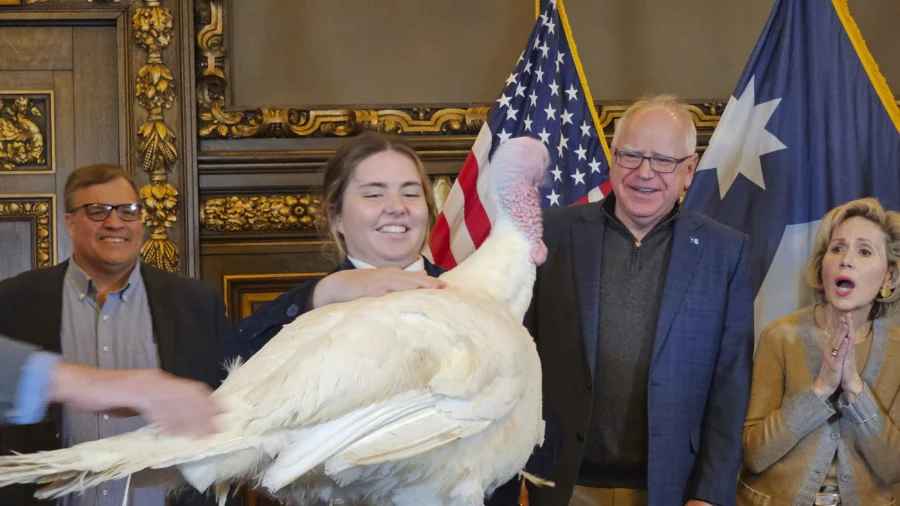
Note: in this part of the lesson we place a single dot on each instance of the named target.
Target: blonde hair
(889, 223)
(339, 169)
(669, 102)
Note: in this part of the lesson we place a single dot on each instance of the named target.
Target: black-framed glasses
(659, 163)
(100, 212)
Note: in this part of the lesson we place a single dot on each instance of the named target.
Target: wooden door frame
(158, 147)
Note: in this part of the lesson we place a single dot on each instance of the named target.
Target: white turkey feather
(416, 397)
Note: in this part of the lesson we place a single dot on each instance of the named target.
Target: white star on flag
(557, 174)
(581, 152)
(554, 198)
(740, 139)
(544, 50)
(586, 129)
(551, 112)
(578, 176)
(544, 135)
(554, 88)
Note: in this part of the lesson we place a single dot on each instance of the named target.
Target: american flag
(545, 97)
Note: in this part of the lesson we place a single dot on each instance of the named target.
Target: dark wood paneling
(95, 84)
(65, 153)
(245, 293)
(16, 246)
(49, 48)
(261, 258)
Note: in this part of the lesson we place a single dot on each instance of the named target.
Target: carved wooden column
(153, 28)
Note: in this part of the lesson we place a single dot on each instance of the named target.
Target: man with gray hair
(642, 316)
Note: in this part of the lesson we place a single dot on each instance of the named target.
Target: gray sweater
(632, 280)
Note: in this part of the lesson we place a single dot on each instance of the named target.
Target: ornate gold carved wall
(40, 212)
(155, 91)
(27, 138)
(260, 213)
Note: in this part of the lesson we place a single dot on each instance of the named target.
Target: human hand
(851, 383)
(352, 284)
(831, 371)
(178, 405)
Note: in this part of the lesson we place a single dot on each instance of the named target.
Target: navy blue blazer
(700, 367)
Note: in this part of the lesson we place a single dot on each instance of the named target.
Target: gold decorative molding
(244, 293)
(216, 122)
(41, 211)
(260, 213)
(705, 115)
(26, 128)
(153, 28)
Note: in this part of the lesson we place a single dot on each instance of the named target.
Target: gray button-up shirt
(115, 335)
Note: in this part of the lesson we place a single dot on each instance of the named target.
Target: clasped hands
(839, 364)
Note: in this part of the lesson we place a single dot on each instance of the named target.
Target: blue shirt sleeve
(32, 391)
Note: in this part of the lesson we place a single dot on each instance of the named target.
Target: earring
(886, 292)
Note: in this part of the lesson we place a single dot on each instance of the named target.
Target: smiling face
(643, 196)
(855, 266)
(384, 213)
(111, 246)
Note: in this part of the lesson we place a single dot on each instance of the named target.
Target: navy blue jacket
(253, 332)
(700, 365)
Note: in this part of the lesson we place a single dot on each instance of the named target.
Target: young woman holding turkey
(822, 424)
(379, 208)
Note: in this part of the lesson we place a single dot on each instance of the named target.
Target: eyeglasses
(100, 212)
(661, 164)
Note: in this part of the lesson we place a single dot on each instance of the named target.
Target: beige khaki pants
(587, 496)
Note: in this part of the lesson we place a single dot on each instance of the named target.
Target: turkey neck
(501, 268)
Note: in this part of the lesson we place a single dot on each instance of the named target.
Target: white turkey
(412, 398)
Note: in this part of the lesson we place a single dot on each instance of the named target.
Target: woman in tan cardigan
(822, 425)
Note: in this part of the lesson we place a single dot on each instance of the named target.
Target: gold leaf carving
(160, 201)
(260, 213)
(155, 91)
(153, 27)
(40, 209)
(155, 87)
(156, 142)
(21, 140)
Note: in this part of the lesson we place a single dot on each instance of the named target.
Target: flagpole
(868, 62)
(564, 19)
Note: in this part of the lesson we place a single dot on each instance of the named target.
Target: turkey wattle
(415, 397)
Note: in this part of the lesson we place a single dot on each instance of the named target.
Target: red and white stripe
(466, 216)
